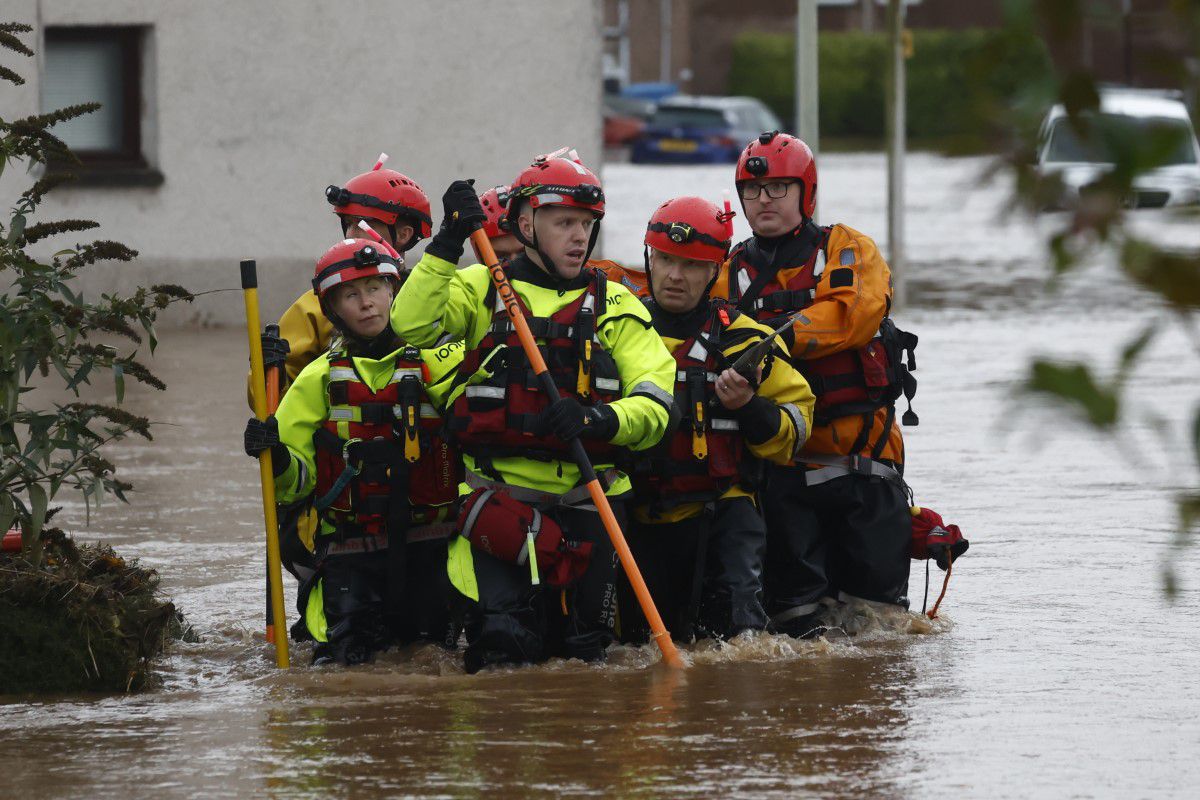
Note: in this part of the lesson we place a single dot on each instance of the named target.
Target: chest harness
(383, 462)
(705, 456)
(496, 414)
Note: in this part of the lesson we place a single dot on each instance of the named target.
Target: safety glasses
(775, 189)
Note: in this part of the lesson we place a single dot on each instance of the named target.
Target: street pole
(664, 41)
(896, 115)
(807, 119)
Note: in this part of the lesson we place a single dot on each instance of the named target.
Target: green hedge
(955, 78)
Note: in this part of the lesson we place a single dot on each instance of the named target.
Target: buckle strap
(535, 497)
(838, 466)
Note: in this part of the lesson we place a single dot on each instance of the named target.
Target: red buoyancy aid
(855, 381)
(407, 472)
(705, 455)
(498, 416)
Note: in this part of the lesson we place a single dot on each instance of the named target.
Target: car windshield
(688, 117)
(1108, 129)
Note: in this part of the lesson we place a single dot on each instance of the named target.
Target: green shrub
(950, 94)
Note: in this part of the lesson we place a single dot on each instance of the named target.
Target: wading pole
(265, 470)
(483, 248)
(272, 405)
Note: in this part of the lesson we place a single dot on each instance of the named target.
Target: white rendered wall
(255, 107)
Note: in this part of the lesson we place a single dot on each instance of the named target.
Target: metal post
(664, 47)
(896, 149)
(623, 41)
(807, 120)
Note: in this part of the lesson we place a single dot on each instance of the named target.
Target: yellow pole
(266, 471)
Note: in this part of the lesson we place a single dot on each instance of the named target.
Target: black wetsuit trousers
(704, 574)
(849, 535)
(369, 596)
(517, 622)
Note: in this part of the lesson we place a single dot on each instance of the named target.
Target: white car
(1079, 162)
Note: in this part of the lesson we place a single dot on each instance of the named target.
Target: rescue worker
(697, 536)
(614, 377)
(495, 204)
(359, 430)
(838, 521)
(397, 209)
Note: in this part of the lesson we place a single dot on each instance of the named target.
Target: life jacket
(705, 456)
(382, 457)
(498, 416)
(857, 381)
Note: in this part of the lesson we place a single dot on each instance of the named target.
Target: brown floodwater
(1058, 669)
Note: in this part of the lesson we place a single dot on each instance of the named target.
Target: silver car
(1079, 161)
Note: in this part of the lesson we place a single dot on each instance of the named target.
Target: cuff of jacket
(445, 248)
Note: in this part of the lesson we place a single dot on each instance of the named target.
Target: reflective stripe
(342, 374)
(819, 265)
(798, 421)
(608, 384)
(427, 411)
(358, 544)
(535, 527)
(711, 377)
(336, 278)
(404, 372)
(840, 466)
(725, 424)
(589, 302)
(332, 280)
(698, 353)
(793, 612)
(476, 509)
(496, 392)
(650, 390)
(846, 257)
(434, 530)
(343, 413)
(743, 279)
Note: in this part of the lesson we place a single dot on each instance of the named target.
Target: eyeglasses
(775, 189)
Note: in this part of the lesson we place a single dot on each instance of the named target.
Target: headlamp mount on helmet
(683, 233)
(757, 166)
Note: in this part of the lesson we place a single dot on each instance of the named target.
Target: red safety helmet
(351, 259)
(556, 181)
(385, 195)
(781, 155)
(691, 227)
(495, 203)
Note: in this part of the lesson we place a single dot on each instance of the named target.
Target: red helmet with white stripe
(556, 181)
(349, 260)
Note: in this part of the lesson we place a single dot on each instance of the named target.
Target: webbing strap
(838, 466)
(537, 498)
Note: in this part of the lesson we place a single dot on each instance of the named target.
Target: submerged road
(1059, 669)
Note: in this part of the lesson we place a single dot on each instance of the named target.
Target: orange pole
(483, 248)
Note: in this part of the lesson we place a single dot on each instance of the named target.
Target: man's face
(507, 246)
(404, 231)
(562, 234)
(678, 282)
(363, 305)
(768, 214)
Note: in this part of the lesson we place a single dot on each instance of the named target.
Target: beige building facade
(226, 120)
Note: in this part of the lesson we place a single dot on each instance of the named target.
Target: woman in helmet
(359, 433)
(614, 378)
(697, 535)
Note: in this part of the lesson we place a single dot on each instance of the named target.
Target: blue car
(701, 130)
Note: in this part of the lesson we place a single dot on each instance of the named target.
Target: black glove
(944, 552)
(263, 435)
(274, 349)
(566, 418)
(461, 215)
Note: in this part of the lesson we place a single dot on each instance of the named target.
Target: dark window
(688, 117)
(1107, 131)
(103, 65)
